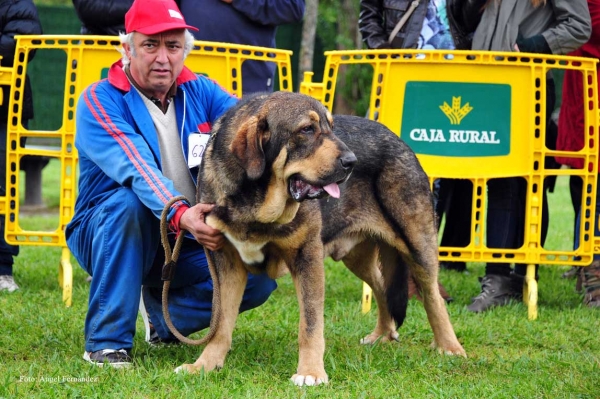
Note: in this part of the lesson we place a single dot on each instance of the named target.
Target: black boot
(589, 280)
(497, 290)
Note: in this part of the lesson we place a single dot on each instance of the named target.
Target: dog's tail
(395, 272)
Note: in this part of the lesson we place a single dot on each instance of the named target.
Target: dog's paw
(186, 368)
(309, 380)
(451, 350)
(194, 368)
(375, 336)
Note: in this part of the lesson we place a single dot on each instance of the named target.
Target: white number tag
(196, 146)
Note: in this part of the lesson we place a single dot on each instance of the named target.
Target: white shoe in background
(7, 283)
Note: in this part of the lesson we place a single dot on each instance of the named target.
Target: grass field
(556, 356)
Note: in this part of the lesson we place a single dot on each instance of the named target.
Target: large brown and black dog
(268, 161)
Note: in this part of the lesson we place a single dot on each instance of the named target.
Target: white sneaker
(7, 283)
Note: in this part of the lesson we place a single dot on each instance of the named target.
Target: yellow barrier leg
(65, 276)
(366, 298)
(530, 292)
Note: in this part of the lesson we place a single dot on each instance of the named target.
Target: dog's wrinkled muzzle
(301, 189)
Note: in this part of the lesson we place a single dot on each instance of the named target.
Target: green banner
(457, 119)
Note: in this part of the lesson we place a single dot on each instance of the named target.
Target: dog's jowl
(271, 166)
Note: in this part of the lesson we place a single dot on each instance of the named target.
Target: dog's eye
(307, 130)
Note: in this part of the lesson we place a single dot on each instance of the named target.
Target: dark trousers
(7, 251)
(455, 197)
(507, 199)
(576, 190)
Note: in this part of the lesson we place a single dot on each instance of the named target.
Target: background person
(571, 129)
(134, 135)
(533, 26)
(252, 23)
(17, 17)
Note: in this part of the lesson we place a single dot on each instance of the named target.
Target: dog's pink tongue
(333, 189)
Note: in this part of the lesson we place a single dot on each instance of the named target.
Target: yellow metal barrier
(479, 116)
(87, 60)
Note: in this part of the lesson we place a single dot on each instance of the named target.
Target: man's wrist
(174, 223)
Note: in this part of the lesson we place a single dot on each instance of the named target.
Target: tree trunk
(307, 47)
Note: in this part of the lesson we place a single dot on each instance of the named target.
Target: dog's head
(289, 136)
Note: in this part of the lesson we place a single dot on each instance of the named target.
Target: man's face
(156, 61)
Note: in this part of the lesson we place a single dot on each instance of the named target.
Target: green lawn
(556, 356)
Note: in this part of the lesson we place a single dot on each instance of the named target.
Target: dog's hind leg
(232, 278)
(413, 233)
(367, 261)
(444, 338)
(423, 264)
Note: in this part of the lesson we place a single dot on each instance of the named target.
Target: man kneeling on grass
(134, 136)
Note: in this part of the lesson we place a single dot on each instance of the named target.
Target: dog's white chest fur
(250, 252)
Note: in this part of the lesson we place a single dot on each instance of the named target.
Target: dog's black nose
(348, 160)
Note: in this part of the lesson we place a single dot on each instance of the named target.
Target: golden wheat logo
(456, 113)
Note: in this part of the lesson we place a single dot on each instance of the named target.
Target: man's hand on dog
(193, 220)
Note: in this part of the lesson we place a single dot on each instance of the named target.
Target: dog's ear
(247, 147)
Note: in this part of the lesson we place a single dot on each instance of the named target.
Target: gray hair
(128, 38)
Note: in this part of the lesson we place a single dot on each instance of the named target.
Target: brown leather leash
(168, 272)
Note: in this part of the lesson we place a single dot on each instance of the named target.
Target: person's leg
(116, 246)
(7, 251)
(502, 219)
(589, 276)
(575, 191)
(7, 254)
(457, 229)
(191, 291)
(500, 285)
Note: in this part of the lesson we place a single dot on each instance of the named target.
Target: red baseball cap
(154, 16)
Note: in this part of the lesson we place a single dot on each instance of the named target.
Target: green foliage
(327, 22)
(355, 87)
(328, 26)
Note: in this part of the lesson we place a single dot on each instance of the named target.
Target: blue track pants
(119, 246)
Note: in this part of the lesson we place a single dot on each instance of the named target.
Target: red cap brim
(159, 28)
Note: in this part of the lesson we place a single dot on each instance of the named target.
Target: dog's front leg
(233, 278)
(309, 280)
